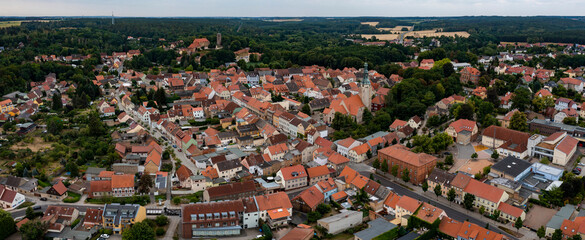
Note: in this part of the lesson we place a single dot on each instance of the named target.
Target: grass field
(10, 24)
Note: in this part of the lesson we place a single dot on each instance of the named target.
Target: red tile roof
(287, 172)
(403, 154)
(60, 188)
(318, 171)
(408, 203)
(484, 191)
(567, 145)
(463, 125)
(123, 181)
(311, 197)
(510, 210)
(273, 201)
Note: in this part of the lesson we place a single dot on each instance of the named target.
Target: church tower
(366, 89)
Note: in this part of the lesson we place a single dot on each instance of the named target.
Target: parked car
(174, 146)
(106, 236)
(180, 150)
(577, 170)
(43, 199)
(36, 207)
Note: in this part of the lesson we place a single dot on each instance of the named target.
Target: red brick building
(470, 74)
(419, 165)
(212, 219)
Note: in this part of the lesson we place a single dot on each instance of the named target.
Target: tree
(518, 122)
(95, 124)
(425, 186)
(72, 168)
(313, 217)
(394, 170)
(145, 183)
(521, 99)
(518, 224)
(54, 125)
(30, 213)
(474, 156)
(481, 210)
(161, 220)
(306, 109)
(451, 194)
(323, 208)
(33, 230)
(449, 160)
(384, 166)
(376, 164)
(541, 232)
(267, 232)
(557, 235)
(576, 237)
(7, 223)
(57, 103)
(495, 155)
(406, 175)
(161, 98)
(438, 191)
(468, 200)
(464, 111)
(369, 154)
(139, 231)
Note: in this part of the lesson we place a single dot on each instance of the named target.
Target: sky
(290, 8)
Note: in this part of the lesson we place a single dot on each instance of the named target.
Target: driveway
(464, 151)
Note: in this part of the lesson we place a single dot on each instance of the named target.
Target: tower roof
(366, 80)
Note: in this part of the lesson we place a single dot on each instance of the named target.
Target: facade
(292, 177)
(507, 142)
(317, 174)
(462, 130)
(419, 165)
(470, 74)
(558, 147)
(205, 220)
(9, 199)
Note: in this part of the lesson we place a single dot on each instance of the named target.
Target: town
(214, 138)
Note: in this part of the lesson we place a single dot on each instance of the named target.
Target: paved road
(451, 211)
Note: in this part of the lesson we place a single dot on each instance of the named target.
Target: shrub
(162, 220)
(160, 231)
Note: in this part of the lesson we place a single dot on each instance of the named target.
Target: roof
(278, 213)
(441, 177)
(376, 228)
(391, 200)
(484, 191)
(510, 210)
(408, 203)
(298, 233)
(403, 154)
(60, 188)
(398, 123)
(339, 216)
(123, 181)
(567, 145)
(100, 186)
(511, 166)
(318, 171)
(514, 140)
(461, 181)
(231, 189)
(183, 173)
(228, 164)
(311, 197)
(212, 207)
(273, 201)
(293, 172)
(346, 142)
(463, 125)
(429, 213)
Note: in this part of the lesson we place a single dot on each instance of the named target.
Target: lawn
(25, 205)
(142, 200)
(72, 197)
(6, 24)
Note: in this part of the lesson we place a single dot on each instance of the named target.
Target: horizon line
(447, 16)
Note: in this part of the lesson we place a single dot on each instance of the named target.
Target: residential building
(375, 228)
(486, 195)
(558, 147)
(317, 174)
(462, 131)
(467, 231)
(274, 209)
(292, 177)
(227, 169)
(10, 199)
(508, 142)
(406, 207)
(120, 217)
(308, 200)
(470, 74)
(93, 218)
(213, 219)
(231, 191)
(58, 217)
(510, 168)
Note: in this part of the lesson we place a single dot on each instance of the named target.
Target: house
(486, 195)
(556, 222)
(439, 177)
(429, 213)
(510, 168)
(292, 177)
(467, 231)
(120, 217)
(122, 185)
(228, 169)
(427, 64)
(469, 74)
(397, 125)
(506, 100)
(419, 165)
(511, 213)
(274, 209)
(299, 233)
(58, 217)
(508, 142)
(360, 153)
(190, 181)
(462, 130)
(564, 103)
(93, 218)
(343, 146)
(414, 122)
(57, 191)
(231, 191)
(406, 207)
(505, 121)
(10, 199)
(572, 84)
(558, 147)
(340, 222)
(317, 174)
(212, 219)
(308, 200)
(560, 116)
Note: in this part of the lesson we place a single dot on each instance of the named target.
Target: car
(106, 236)
(165, 138)
(174, 146)
(180, 150)
(577, 170)
(43, 199)
(36, 207)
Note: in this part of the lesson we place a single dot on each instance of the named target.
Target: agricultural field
(6, 24)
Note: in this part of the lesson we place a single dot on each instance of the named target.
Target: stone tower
(366, 89)
(218, 43)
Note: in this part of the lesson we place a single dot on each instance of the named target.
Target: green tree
(161, 220)
(54, 125)
(7, 223)
(521, 99)
(451, 194)
(464, 111)
(306, 109)
(481, 210)
(474, 156)
(95, 124)
(557, 235)
(425, 186)
(313, 217)
(376, 164)
(576, 237)
(406, 175)
(384, 166)
(394, 170)
(369, 154)
(519, 122)
(33, 230)
(57, 103)
(30, 213)
(145, 184)
(541, 232)
(267, 232)
(72, 168)
(323, 208)
(139, 231)
(518, 224)
(495, 154)
(468, 200)
(161, 98)
(438, 191)
(449, 160)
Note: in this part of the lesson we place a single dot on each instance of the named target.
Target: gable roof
(60, 187)
(318, 171)
(123, 181)
(484, 191)
(311, 196)
(403, 154)
(408, 203)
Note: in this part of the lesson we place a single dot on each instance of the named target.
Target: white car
(106, 236)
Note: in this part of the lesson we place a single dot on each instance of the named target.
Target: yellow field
(10, 24)
(383, 37)
(396, 31)
(433, 33)
(373, 24)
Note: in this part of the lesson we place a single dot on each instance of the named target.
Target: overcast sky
(290, 8)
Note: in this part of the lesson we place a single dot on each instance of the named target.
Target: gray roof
(565, 213)
(228, 164)
(375, 228)
(409, 236)
(441, 176)
(119, 212)
(338, 217)
(94, 170)
(511, 166)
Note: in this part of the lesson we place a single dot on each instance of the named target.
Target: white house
(343, 146)
(198, 112)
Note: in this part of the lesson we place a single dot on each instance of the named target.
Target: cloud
(288, 8)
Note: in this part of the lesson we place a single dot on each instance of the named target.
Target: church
(355, 105)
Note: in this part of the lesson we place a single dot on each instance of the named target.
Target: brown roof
(483, 190)
(273, 201)
(183, 173)
(403, 154)
(408, 203)
(123, 181)
(299, 233)
(60, 188)
(231, 189)
(287, 172)
(460, 181)
(311, 196)
(514, 140)
(93, 215)
(510, 210)
(100, 186)
(318, 171)
(212, 207)
(567, 145)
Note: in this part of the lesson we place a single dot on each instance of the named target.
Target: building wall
(417, 173)
(341, 225)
